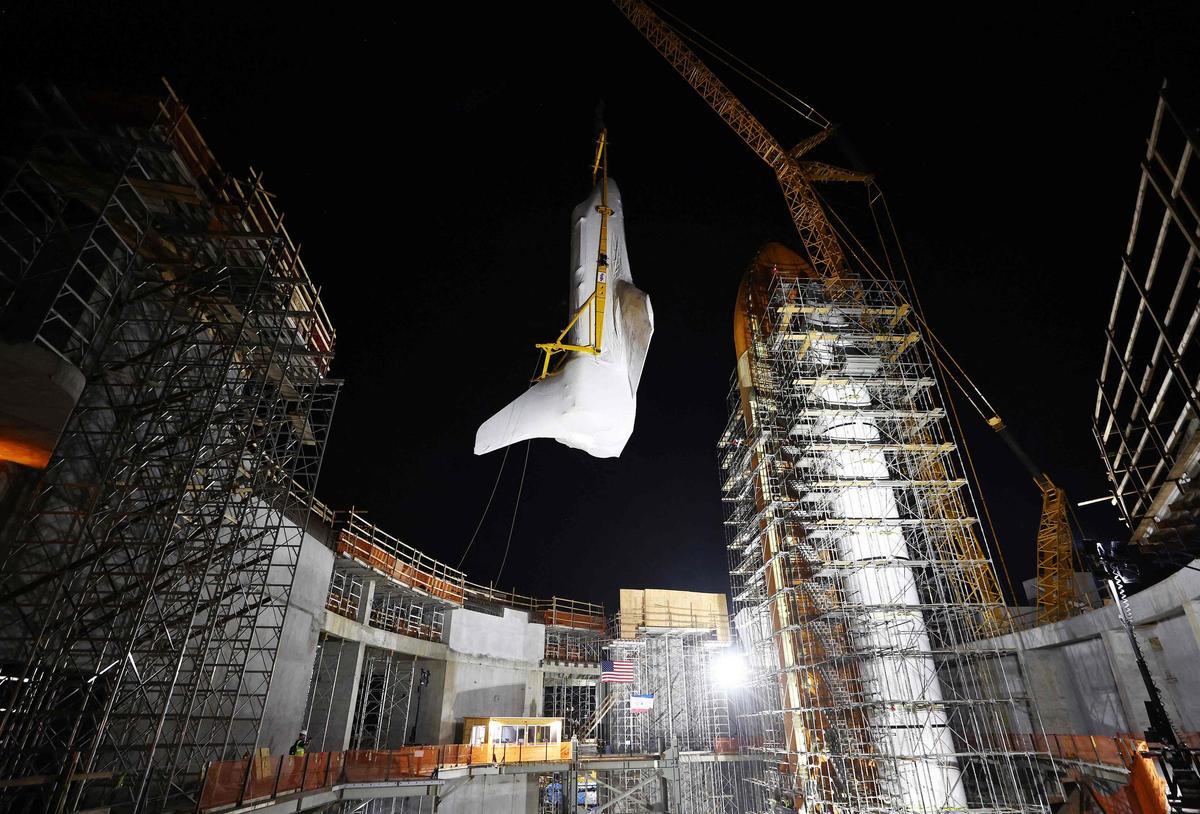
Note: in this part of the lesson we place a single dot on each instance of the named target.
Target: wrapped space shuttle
(589, 402)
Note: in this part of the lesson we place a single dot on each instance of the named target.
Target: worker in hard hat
(300, 745)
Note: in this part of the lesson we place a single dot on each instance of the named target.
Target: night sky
(428, 166)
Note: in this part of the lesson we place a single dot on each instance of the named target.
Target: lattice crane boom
(1055, 579)
(1057, 595)
(816, 233)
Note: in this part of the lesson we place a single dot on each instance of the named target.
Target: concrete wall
(493, 667)
(1082, 673)
(511, 636)
(1076, 689)
(283, 717)
(489, 665)
(498, 794)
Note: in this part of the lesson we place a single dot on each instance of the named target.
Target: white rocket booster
(591, 402)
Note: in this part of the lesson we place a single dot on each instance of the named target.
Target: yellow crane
(1057, 595)
(796, 178)
(599, 296)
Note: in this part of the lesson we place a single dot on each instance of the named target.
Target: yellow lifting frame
(600, 295)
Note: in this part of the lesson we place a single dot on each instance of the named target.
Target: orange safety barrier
(414, 577)
(316, 772)
(405, 763)
(1086, 748)
(520, 752)
(410, 629)
(260, 783)
(341, 606)
(455, 754)
(414, 761)
(337, 766)
(230, 782)
(223, 783)
(579, 620)
(291, 774)
(404, 573)
(366, 765)
(724, 746)
(571, 653)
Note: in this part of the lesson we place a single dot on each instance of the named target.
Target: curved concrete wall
(1082, 673)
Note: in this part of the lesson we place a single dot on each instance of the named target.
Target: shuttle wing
(591, 402)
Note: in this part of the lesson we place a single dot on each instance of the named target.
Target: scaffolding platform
(860, 581)
(368, 551)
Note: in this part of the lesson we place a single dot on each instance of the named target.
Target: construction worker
(554, 792)
(300, 745)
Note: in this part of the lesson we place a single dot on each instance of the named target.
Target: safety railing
(345, 595)
(365, 542)
(571, 613)
(628, 626)
(1098, 750)
(457, 755)
(234, 783)
(490, 595)
(573, 648)
(555, 611)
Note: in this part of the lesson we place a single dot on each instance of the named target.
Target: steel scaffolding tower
(689, 714)
(384, 694)
(570, 697)
(147, 571)
(855, 565)
(1147, 405)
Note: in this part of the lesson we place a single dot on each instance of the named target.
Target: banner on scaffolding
(641, 702)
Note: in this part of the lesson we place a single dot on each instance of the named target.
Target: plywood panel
(656, 608)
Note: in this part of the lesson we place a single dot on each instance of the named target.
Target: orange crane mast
(796, 178)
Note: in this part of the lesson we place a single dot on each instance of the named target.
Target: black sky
(429, 163)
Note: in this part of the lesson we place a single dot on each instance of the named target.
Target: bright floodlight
(729, 671)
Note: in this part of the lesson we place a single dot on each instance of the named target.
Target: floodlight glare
(729, 671)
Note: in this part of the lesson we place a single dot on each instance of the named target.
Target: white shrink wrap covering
(591, 402)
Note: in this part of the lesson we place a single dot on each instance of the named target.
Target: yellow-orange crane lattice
(796, 178)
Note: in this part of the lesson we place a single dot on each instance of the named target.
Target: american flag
(616, 672)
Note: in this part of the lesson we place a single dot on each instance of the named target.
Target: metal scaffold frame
(1147, 403)
(856, 568)
(384, 691)
(572, 698)
(146, 579)
(689, 714)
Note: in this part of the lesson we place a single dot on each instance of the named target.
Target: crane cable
(918, 311)
(495, 485)
(483, 516)
(806, 111)
(863, 256)
(958, 375)
(516, 505)
(741, 67)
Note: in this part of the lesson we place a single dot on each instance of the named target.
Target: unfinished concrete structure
(176, 606)
(154, 513)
